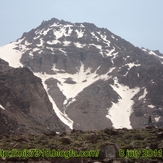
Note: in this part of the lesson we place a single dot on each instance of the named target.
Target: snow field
(12, 56)
(70, 90)
(120, 112)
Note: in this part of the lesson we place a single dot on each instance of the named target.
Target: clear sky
(137, 21)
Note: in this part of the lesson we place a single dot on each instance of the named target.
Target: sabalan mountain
(93, 79)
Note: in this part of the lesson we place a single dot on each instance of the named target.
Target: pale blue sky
(137, 21)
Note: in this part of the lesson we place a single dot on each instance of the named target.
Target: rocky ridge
(24, 104)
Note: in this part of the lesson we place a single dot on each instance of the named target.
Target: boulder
(109, 150)
(111, 131)
(66, 140)
(160, 134)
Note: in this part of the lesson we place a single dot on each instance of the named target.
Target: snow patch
(97, 46)
(45, 32)
(69, 31)
(150, 52)
(11, 55)
(53, 42)
(31, 54)
(79, 33)
(41, 43)
(153, 53)
(125, 74)
(105, 40)
(151, 106)
(144, 94)
(66, 43)
(59, 33)
(111, 69)
(72, 90)
(35, 38)
(56, 70)
(49, 48)
(152, 81)
(62, 51)
(94, 35)
(120, 112)
(60, 25)
(27, 43)
(157, 118)
(68, 25)
(114, 56)
(110, 53)
(2, 107)
(62, 31)
(77, 44)
(37, 32)
(132, 65)
(35, 49)
(55, 25)
(112, 37)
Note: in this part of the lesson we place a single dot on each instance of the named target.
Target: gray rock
(109, 150)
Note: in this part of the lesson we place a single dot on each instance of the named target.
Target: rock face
(94, 79)
(26, 107)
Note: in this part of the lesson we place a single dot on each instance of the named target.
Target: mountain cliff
(24, 104)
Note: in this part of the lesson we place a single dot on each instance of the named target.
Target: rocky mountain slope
(93, 78)
(24, 104)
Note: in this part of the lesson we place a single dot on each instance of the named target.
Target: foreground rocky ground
(110, 142)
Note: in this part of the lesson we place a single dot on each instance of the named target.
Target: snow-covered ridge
(11, 55)
(150, 52)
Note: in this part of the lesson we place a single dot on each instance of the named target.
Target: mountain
(93, 78)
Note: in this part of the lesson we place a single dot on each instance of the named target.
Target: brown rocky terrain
(27, 108)
(111, 145)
